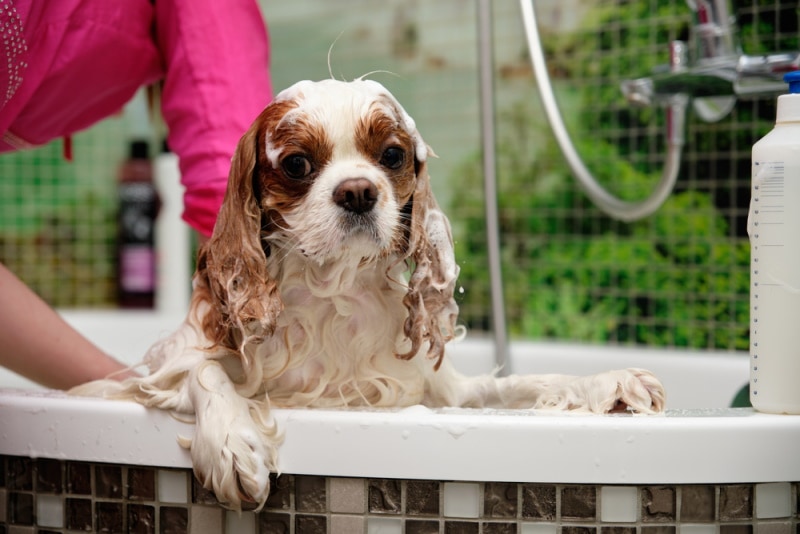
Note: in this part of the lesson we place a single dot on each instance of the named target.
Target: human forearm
(37, 343)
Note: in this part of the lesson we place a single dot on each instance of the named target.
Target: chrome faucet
(715, 71)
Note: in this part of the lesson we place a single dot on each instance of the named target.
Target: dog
(328, 282)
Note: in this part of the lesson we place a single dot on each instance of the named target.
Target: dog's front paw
(634, 390)
(641, 393)
(234, 459)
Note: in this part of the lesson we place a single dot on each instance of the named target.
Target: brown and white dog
(329, 282)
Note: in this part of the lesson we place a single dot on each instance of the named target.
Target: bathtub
(70, 464)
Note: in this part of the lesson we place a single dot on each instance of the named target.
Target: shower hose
(605, 201)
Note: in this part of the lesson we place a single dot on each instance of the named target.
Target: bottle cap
(793, 79)
(139, 149)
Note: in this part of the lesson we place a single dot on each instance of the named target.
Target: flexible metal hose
(608, 203)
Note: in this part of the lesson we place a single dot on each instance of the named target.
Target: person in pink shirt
(69, 64)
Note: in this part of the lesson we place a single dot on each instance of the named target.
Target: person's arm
(38, 344)
(216, 82)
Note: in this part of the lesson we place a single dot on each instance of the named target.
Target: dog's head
(330, 170)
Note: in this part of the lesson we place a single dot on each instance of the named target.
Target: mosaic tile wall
(50, 496)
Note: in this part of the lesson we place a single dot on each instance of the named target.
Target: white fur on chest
(337, 336)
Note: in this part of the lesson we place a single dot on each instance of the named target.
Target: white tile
(618, 504)
(773, 500)
(538, 528)
(49, 511)
(172, 486)
(462, 499)
(236, 523)
(384, 525)
(697, 529)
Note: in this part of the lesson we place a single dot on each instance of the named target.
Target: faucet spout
(719, 72)
(737, 76)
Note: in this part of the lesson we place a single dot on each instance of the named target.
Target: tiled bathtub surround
(53, 496)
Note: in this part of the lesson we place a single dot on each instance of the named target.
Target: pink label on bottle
(137, 269)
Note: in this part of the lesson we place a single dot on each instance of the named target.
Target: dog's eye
(393, 157)
(296, 166)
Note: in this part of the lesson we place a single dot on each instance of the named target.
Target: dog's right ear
(243, 301)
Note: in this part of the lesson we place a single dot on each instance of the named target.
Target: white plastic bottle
(773, 224)
(172, 239)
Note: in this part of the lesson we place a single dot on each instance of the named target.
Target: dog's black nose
(357, 195)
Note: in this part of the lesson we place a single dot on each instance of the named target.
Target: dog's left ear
(232, 265)
(432, 311)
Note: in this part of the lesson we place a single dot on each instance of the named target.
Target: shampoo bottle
(138, 205)
(773, 225)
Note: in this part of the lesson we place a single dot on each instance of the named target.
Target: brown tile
(384, 496)
(572, 529)
(309, 494)
(141, 484)
(422, 497)
(796, 508)
(461, 527)
(272, 523)
(777, 527)
(579, 503)
(539, 502)
(108, 516)
(698, 503)
(280, 492)
(141, 519)
(658, 503)
(498, 528)
(20, 473)
(737, 529)
(500, 499)
(310, 524)
(421, 527)
(3, 508)
(249, 506)
(735, 502)
(617, 530)
(79, 514)
(20, 508)
(2, 471)
(201, 495)
(49, 478)
(108, 481)
(659, 529)
(173, 520)
(79, 478)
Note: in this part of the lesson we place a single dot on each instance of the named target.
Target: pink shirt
(71, 63)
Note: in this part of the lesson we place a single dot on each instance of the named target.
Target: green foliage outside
(678, 278)
(674, 279)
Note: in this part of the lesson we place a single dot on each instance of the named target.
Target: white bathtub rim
(680, 447)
